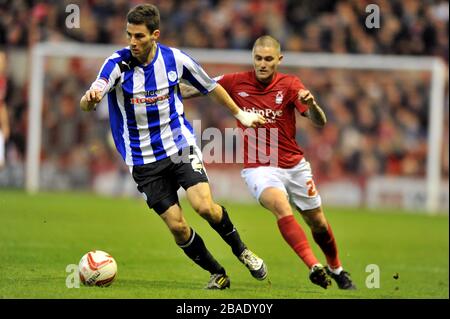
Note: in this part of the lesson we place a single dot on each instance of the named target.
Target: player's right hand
(250, 119)
(93, 96)
(90, 99)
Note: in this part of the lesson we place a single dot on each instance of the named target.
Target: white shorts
(296, 182)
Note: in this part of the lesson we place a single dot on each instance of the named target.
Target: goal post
(435, 66)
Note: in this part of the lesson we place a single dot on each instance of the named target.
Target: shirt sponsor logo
(269, 114)
(148, 99)
(155, 92)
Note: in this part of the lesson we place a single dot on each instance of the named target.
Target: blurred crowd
(418, 27)
(378, 121)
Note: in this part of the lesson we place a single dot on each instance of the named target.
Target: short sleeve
(226, 81)
(109, 73)
(194, 73)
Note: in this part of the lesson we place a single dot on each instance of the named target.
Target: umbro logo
(243, 94)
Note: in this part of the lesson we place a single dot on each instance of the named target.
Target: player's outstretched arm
(188, 91)
(248, 119)
(314, 113)
(221, 96)
(90, 99)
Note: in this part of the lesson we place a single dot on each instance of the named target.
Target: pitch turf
(40, 235)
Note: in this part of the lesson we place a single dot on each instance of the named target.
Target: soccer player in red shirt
(287, 180)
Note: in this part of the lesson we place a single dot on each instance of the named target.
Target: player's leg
(194, 247)
(324, 237)
(308, 202)
(276, 202)
(160, 193)
(200, 198)
(193, 178)
(268, 188)
(322, 234)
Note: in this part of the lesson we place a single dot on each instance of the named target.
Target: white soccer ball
(97, 268)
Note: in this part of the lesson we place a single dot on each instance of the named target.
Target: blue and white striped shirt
(146, 111)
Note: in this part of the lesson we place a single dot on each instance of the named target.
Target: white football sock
(314, 266)
(336, 271)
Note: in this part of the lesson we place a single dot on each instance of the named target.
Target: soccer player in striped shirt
(157, 142)
(277, 96)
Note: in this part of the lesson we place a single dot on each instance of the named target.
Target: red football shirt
(274, 143)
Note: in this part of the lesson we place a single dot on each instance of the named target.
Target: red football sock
(327, 243)
(296, 238)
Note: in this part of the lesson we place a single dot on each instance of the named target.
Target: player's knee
(204, 209)
(315, 219)
(281, 208)
(203, 205)
(319, 226)
(180, 229)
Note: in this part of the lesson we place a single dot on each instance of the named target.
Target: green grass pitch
(40, 235)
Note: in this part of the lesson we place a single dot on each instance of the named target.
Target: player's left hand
(306, 97)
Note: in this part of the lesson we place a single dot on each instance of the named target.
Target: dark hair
(147, 14)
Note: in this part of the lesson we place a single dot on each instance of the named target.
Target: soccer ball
(97, 268)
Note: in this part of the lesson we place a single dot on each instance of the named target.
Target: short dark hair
(267, 41)
(147, 14)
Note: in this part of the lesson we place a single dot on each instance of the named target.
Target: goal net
(385, 143)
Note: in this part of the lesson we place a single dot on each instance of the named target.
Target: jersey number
(311, 188)
(196, 163)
